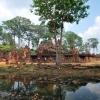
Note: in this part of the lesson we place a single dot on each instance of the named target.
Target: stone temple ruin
(46, 53)
(15, 57)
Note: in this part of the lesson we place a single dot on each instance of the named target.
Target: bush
(33, 51)
(5, 47)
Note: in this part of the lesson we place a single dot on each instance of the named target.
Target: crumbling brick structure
(46, 53)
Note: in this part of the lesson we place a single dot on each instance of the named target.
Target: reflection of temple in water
(26, 87)
(25, 79)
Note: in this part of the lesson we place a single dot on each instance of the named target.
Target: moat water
(29, 88)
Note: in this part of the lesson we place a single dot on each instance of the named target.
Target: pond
(24, 87)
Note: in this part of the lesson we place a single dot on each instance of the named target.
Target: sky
(87, 28)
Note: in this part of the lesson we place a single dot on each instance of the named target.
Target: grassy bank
(46, 70)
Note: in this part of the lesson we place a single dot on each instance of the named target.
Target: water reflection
(83, 93)
(24, 87)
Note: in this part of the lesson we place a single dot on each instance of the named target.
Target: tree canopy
(17, 27)
(93, 43)
(34, 34)
(20, 31)
(56, 12)
(70, 39)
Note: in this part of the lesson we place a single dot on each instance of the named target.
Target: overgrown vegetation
(10, 68)
(34, 34)
(36, 71)
(5, 47)
(56, 13)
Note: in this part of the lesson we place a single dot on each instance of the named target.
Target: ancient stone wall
(46, 53)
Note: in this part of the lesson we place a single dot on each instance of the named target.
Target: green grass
(35, 70)
(24, 68)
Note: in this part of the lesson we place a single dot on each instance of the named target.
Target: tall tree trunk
(60, 54)
(28, 42)
(18, 41)
(57, 50)
(14, 39)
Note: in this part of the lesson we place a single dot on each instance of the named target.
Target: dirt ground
(74, 65)
(66, 69)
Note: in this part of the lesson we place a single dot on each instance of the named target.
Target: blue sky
(87, 28)
(90, 20)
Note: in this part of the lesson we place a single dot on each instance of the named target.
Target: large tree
(56, 12)
(39, 30)
(28, 30)
(9, 27)
(6, 38)
(93, 43)
(86, 46)
(70, 39)
(19, 27)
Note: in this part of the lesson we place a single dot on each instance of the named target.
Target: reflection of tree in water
(71, 85)
(19, 86)
(49, 90)
(5, 86)
(26, 88)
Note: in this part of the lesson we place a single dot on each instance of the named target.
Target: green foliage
(68, 11)
(93, 43)
(24, 30)
(45, 37)
(1, 30)
(39, 30)
(7, 39)
(35, 42)
(19, 27)
(98, 54)
(2, 68)
(33, 51)
(4, 43)
(19, 49)
(87, 47)
(5, 47)
(70, 39)
(56, 12)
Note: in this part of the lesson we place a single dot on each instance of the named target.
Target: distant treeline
(20, 31)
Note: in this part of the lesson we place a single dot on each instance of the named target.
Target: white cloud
(67, 26)
(7, 12)
(94, 88)
(24, 12)
(4, 12)
(92, 32)
(97, 19)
